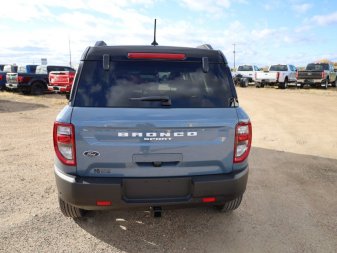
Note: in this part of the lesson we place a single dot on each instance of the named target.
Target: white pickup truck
(245, 74)
(281, 75)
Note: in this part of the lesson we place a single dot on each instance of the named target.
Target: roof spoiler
(100, 43)
(205, 46)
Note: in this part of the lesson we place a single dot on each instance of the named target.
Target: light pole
(234, 54)
(69, 52)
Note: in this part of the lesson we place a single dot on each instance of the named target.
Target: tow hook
(157, 210)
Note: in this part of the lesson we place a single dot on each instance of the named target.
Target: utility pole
(234, 53)
(69, 52)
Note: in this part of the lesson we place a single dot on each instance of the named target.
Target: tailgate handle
(151, 158)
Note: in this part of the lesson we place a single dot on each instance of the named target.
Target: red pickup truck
(61, 81)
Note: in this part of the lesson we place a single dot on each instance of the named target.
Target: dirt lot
(290, 204)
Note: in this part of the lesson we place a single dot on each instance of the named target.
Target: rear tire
(284, 85)
(259, 85)
(326, 84)
(230, 205)
(244, 83)
(37, 89)
(70, 211)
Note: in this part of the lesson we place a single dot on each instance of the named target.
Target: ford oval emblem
(91, 153)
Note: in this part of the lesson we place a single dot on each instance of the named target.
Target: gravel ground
(290, 204)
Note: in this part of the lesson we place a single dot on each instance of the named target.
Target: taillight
(0, 77)
(161, 56)
(71, 77)
(20, 79)
(103, 203)
(208, 200)
(277, 76)
(323, 75)
(64, 143)
(243, 141)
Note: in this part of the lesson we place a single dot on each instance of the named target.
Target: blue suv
(151, 126)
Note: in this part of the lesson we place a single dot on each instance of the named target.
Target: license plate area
(147, 190)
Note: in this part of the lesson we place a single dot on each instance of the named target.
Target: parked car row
(283, 75)
(36, 79)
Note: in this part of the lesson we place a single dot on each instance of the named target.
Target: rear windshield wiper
(233, 102)
(164, 99)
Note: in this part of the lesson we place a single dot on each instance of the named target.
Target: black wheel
(283, 85)
(230, 205)
(326, 84)
(37, 89)
(70, 211)
(244, 82)
(334, 84)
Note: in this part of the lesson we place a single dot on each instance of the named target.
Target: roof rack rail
(100, 43)
(205, 46)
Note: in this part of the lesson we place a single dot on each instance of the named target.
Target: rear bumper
(267, 81)
(59, 89)
(133, 192)
(311, 81)
(12, 86)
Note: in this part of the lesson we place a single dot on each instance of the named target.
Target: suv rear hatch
(146, 118)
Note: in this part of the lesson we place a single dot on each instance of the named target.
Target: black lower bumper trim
(126, 192)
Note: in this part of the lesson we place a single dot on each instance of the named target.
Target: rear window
(318, 66)
(31, 68)
(27, 69)
(41, 70)
(245, 68)
(184, 83)
(10, 68)
(22, 69)
(278, 68)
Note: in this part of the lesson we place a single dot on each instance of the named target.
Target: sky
(265, 32)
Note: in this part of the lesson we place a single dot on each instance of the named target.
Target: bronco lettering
(154, 134)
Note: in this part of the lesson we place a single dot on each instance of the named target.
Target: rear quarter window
(184, 83)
